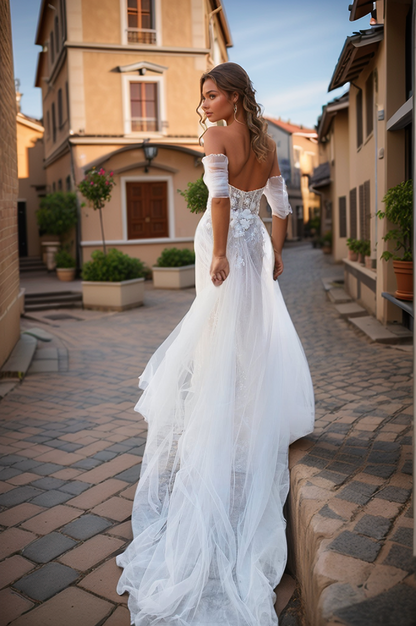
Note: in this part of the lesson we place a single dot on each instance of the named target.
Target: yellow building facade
(118, 76)
(365, 145)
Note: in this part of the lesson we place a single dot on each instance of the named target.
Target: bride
(224, 396)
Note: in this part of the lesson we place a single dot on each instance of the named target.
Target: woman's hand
(220, 269)
(278, 265)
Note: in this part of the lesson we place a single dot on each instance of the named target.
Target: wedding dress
(224, 396)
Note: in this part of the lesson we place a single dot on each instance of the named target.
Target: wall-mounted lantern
(150, 152)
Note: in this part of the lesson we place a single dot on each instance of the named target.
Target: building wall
(30, 150)
(340, 172)
(10, 302)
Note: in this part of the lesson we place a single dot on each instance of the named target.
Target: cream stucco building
(117, 75)
(365, 144)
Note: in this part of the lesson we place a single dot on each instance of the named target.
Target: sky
(289, 50)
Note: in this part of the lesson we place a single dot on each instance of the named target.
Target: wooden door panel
(147, 212)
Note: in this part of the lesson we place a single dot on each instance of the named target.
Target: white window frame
(161, 109)
(157, 8)
(171, 206)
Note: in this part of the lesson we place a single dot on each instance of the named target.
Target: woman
(224, 396)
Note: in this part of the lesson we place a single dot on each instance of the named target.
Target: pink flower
(92, 182)
(111, 173)
(106, 182)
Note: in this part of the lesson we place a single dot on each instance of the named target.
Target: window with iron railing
(144, 107)
(140, 22)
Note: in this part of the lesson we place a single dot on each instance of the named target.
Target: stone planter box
(108, 296)
(174, 277)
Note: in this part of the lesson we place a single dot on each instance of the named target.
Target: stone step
(31, 264)
(338, 295)
(378, 333)
(52, 300)
(20, 359)
(54, 304)
(350, 309)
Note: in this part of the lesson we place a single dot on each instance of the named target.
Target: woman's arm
(220, 215)
(279, 227)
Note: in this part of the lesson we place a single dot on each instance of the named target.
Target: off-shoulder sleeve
(216, 175)
(276, 194)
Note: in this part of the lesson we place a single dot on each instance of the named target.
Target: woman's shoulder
(215, 140)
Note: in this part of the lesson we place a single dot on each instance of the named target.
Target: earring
(235, 112)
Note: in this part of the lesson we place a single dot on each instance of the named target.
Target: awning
(360, 8)
(358, 49)
(321, 176)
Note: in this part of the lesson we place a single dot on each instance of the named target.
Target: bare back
(245, 171)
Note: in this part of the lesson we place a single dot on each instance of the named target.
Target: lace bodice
(216, 179)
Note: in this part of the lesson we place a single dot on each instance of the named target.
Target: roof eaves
(360, 8)
(349, 65)
(40, 22)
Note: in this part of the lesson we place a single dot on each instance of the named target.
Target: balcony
(141, 35)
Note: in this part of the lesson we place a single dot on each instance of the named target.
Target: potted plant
(361, 247)
(58, 213)
(96, 188)
(112, 281)
(399, 211)
(327, 242)
(174, 269)
(65, 265)
(196, 196)
(366, 250)
(352, 249)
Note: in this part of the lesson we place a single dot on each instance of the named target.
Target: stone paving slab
(73, 434)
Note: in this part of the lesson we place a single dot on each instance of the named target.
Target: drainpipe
(375, 169)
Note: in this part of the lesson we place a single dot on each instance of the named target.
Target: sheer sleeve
(276, 194)
(216, 175)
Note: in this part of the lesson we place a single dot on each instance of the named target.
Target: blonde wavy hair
(231, 78)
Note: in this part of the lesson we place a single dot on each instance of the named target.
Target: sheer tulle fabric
(224, 396)
(277, 196)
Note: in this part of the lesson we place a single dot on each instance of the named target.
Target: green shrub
(196, 196)
(112, 267)
(172, 257)
(64, 260)
(353, 245)
(327, 237)
(58, 213)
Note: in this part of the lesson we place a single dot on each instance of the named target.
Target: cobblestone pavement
(72, 446)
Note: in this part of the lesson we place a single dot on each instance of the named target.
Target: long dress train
(224, 396)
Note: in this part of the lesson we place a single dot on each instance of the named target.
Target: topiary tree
(96, 188)
(58, 213)
(196, 196)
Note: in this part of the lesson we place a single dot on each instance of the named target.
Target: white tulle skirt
(224, 396)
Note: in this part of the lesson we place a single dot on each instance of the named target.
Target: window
(144, 107)
(68, 183)
(52, 45)
(140, 21)
(364, 200)
(48, 125)
(353, 213)
(60, 112)
(53, 123)
(342, 208)
(60, 184)
(369, 104)
(359, 113)
(53, 187)
(63, 21)
(57, 34)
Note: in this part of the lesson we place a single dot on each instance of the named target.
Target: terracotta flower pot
(404, 277)
(65, 273)
(352, 256)
(361, 258)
